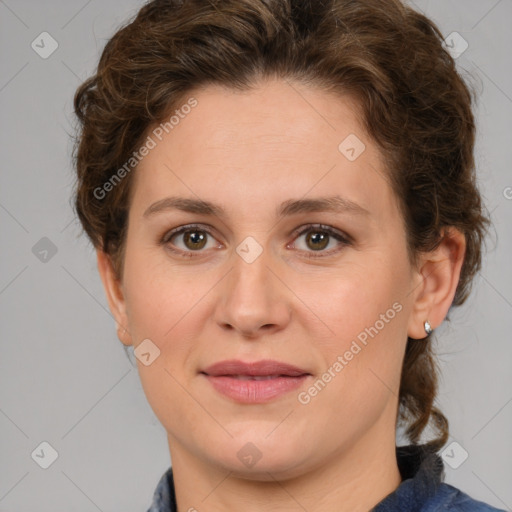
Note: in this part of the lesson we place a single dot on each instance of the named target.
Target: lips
(263, 368)
(254, 383)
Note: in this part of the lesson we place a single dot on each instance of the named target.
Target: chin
(262, 460)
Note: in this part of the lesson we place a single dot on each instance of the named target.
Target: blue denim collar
(422, 472)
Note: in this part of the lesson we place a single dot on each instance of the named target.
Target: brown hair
(414, 104)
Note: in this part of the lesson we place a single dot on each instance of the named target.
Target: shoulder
(164, 499)
(449, 498)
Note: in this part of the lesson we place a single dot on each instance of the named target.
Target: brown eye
(320, 240)
(187, 240)
(194, 239)
(317, 240)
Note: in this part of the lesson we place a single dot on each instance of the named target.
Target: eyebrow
(333, 204)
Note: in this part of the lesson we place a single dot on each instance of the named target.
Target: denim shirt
(421, 490)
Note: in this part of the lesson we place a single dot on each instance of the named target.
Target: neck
(354, 480)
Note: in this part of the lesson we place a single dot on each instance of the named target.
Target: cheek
(160, 300)
(353, 298)
(362, 354)
(362, 312)
(162, 306)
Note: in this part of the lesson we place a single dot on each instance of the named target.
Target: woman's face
(303, 261)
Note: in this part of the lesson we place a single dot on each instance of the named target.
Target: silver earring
(428, 328)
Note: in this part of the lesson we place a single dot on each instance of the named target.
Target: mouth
(254, 383)
(254, 377)
(262, 368)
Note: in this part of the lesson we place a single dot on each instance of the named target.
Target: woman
(282, 198)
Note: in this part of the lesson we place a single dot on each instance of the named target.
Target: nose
(253, 301)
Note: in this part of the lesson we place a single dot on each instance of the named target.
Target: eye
(190, 239)
(187, 239)
(318, 238)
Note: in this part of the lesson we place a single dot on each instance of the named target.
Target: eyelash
(344, 240)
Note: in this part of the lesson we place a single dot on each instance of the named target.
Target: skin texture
(247, 153)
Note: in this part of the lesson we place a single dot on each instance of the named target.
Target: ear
(115, 296)
(437, 277)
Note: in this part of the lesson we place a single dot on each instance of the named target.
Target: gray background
(64, 377)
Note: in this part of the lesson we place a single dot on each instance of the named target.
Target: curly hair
(387, 56)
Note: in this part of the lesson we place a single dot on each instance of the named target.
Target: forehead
(276, 114)
(278, 139)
